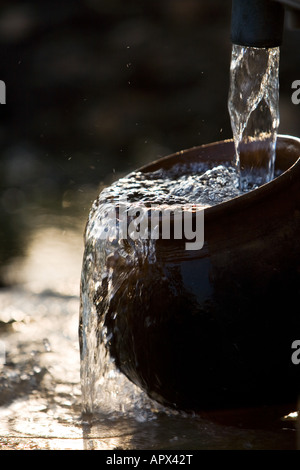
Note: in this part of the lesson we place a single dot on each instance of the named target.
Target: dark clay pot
(214, 328)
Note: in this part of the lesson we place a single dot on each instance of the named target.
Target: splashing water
(253, 105)
(106, 391)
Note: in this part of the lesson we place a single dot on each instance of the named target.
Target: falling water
(254, 110)
(105, 391)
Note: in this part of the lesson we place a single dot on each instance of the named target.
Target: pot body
(215, 327)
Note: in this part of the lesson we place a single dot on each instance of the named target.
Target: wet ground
(40, 383)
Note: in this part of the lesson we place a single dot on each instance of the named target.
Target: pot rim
(251, 197)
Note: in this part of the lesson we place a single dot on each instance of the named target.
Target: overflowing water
(111, 258)
(195, 183)
(104, 389)
(254, 110)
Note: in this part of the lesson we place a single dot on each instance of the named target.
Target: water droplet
(47, 345)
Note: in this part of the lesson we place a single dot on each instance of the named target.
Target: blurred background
(95, 89)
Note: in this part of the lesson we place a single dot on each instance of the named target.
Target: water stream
(253, 104)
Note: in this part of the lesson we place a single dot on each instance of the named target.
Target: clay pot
(214, 328)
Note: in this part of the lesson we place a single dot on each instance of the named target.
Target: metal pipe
(260, 23)
(257, 23)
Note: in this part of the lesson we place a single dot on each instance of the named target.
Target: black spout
(257, 23)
